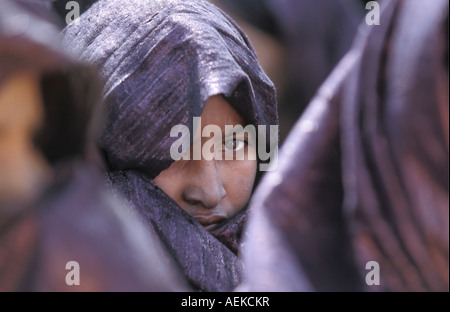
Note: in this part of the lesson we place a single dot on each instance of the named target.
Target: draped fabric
(75, 218)
(364, 174)
(161, 61)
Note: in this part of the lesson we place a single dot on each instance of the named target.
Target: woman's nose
(206, 186)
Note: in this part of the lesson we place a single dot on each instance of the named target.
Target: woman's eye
(234, 145)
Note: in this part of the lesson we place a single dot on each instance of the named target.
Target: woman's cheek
(240, 177)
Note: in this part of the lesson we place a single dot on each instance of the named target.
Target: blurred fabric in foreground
(363, 176)
(54, 210)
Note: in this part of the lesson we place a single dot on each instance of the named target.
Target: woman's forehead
(218, 111)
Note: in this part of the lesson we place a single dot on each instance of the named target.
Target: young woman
(164, 63)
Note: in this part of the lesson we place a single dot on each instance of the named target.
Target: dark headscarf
(75, 219)
(161, 61)
(364, 174)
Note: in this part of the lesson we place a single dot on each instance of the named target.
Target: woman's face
(214, 190)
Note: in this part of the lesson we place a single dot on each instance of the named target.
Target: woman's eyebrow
(234, 130)
(238, 130)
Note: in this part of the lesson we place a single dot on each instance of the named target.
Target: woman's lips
(210, 222)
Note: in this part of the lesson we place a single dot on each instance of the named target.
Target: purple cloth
(364, 174)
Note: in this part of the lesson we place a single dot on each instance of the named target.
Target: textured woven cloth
(364, 174)
(161, 61)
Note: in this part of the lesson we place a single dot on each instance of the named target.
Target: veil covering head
(161, 61)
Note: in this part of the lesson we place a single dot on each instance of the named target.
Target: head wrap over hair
(363, 176)
(161, 61)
